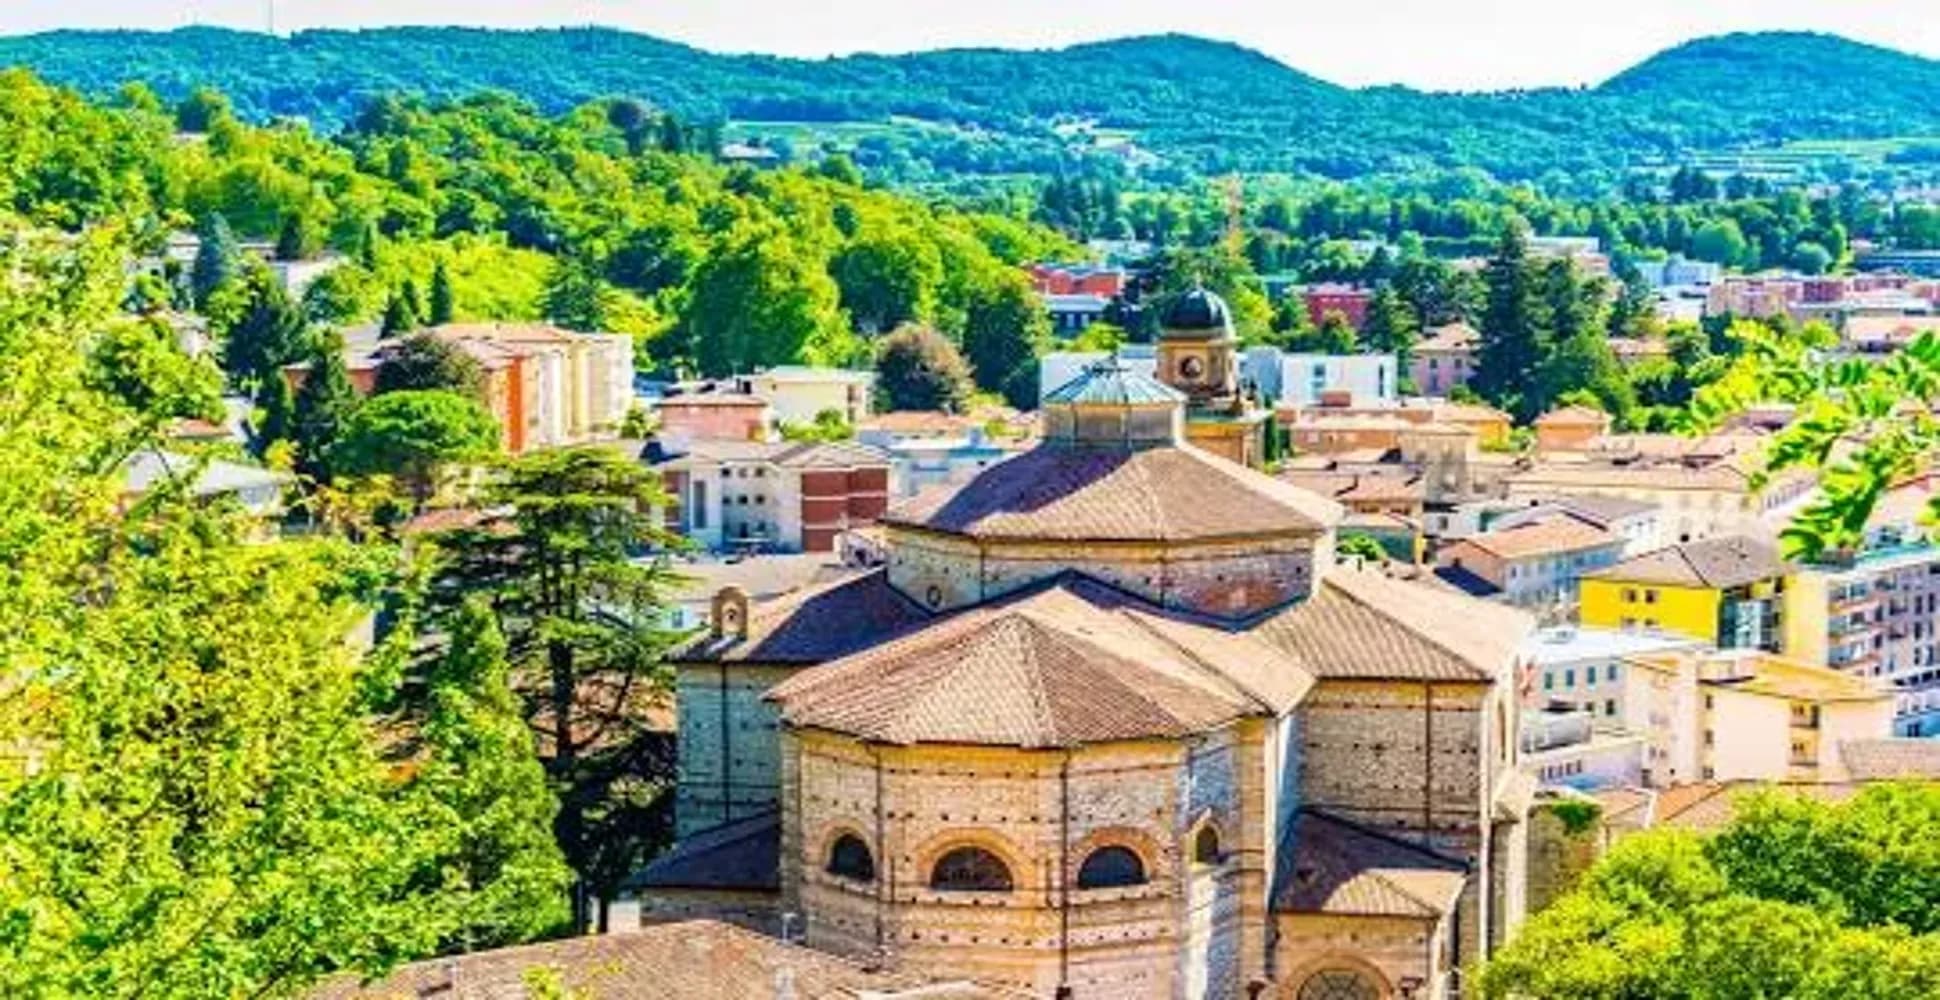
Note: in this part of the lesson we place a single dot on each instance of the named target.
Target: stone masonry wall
(727, 743)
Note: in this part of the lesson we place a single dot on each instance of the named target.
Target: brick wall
(728, 746)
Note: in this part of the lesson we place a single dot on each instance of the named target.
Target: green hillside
(1174, 104)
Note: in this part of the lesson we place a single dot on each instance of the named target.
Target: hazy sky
(1427, 43)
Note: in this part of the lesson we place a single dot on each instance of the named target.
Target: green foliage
(1576, 815)
(209, 811)
(887, 279)
(322, 407)
(444, 301)
(424, 361)
(138, 362)
(757, 303)
(1362, 547)
(576, 297)
(583, 624)
(218, 259)
(1794, 898)
(413, 435)
(1201, 106)
(918, 368)
(269, 333)
(828, 425)
(1004, 324)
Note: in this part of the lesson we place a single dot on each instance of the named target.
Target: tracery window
(1339, 984)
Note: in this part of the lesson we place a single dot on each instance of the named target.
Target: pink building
(714, 416)
(1445, 358)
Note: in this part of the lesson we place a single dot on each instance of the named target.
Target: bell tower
(1197, 351)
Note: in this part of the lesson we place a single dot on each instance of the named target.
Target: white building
(1299, 379)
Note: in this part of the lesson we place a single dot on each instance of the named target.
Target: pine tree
(271, 333)
(1512, 333)
(443, 303)
(292, 243)
(218, 258)
(322, 406)
(1391, 326)
(401, 312)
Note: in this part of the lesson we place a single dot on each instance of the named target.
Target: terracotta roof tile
(1064, 664)
(1456, 336)
(1064, 493)
(1710, 805)
(816, 624)
(677, 961)
(1574, 416)
(1552, 535)
(1343, 868)
(1728, 561)
(1898, 757)
(1364, 625)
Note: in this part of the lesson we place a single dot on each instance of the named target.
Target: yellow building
(1725, 591)
(1746, 714)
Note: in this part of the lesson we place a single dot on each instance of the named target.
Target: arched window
(1111, 867)
(970, 869)
(1205, 846)
(1339, 984)
(850, 858)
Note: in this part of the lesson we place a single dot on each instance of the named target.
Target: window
(1610, 706)
(850, 858)
(1610, 672)
(970, 869)
(1650, 597)
(1339, 984)
(698, 516)
(1629, 595)
(1569, 678)
(1111, 867)
(1205, 846)
(1549, 681)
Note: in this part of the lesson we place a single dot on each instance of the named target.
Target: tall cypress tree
(271, 333)
(218, 258)
(443, 302)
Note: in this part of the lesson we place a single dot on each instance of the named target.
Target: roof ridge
(1407, 623)
(1192, 656)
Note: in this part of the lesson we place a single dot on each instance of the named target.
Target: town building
(1348, 301)
(1677, 271)
(1727, 591)
(1105, 282)
(771, 496)
(1573, 748)
(1748, 714)
(1444, 358)
(1874, 612)
(1070, 314)
(800, 394)
(1302, 379)
(1634, 521)
(1582, 667)
(927, 450)
(1111, 722)
(257, 491)
(1570, 428)
(1698, 497)
(686, 417)
(1535, 565)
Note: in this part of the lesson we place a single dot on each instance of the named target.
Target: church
(1112, 722)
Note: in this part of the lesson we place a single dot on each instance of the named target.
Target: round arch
(1336, 975)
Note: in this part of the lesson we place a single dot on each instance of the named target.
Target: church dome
(1197, 313)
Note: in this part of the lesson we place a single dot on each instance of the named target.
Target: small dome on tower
(1198, 312)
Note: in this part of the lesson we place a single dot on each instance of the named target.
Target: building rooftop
(1576, 643)
(1574, 416)
(1713, 563)
(1064, 664)
(1340, 867)
(817, 623)
(1363, 625)
(1110, 383)
(1100, 494)
(1892, 757)
(1457, 336)
(1757, 672)
(674, 961)
(144, 469)
(1550, 536)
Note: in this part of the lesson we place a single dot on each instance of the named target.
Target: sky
(1436, 44)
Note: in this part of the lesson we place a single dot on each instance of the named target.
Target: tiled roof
(1063, 664)
(1456, 336)
(816, 624)
(1574, 416)
(1343, 868)
(676, 961)
(1110, 383)
(1652, 476)
(1552, 535)
(1710, 805)
(1601, 511)
(1894, 757)
(742, 855)
(1363, 625)
(712, 399)
(1061, 493)
(1727, 561)
(784, 454)
(760, 577)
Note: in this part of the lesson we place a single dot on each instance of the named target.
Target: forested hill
(1199, 106)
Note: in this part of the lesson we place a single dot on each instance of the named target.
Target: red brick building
(1348, 300)
(1076, 279)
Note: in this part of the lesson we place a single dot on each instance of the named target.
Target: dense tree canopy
(1794, 898)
